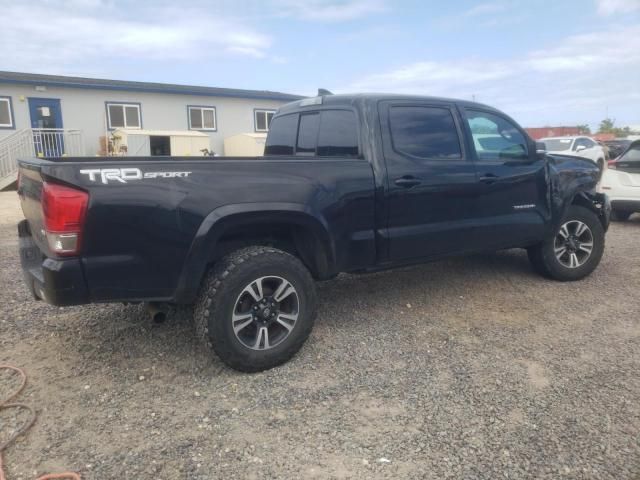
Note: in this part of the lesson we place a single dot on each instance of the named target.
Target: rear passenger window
(282, 135)
(308, 134)
(338, 135)
(424, 132)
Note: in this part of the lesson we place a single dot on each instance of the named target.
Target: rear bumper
(58, 282)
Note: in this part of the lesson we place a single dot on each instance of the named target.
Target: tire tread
(208, 304)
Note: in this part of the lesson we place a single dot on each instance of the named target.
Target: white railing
(41, 142)
(57, 142)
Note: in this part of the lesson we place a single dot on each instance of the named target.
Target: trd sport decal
(123, 175)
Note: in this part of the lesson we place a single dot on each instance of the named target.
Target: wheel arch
(595, 202)
(290, 226)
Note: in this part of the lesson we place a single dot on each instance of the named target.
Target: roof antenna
(324, 91)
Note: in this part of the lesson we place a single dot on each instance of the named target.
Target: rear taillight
(64, 210)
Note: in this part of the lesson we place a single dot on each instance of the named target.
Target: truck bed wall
(139, 232)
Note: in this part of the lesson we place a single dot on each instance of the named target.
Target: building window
(6, 114)
(202, 118)
(124, 115)
(263, 120)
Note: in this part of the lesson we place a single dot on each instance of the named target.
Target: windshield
(558, 144)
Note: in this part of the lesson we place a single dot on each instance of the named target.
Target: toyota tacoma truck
(348, 183)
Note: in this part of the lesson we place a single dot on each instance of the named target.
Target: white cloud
(609, 7)
(330, 10)
(598, 50)
(441, 75)
(52, 35)
(486, 9)
(583, 75)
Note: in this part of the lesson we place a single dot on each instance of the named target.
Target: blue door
(46, 120)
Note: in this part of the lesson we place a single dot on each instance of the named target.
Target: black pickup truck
(348, 183)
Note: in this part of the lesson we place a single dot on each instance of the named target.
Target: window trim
(12, 119)
(452, 110)
(255, 118)
(138, 105)
(525, 136)
(203, 107)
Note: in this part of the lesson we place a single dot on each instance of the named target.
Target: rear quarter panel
(138, 233)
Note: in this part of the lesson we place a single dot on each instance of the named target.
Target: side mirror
(541, 148)
(580, 148)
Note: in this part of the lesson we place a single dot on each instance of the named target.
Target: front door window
(495, 138)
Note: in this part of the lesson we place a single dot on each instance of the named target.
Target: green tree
(584, 129)
(607, 126)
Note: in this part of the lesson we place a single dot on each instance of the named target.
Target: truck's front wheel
(256, 308)
(575, 249)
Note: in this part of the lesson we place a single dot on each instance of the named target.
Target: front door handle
(489, 178)
(407, 181)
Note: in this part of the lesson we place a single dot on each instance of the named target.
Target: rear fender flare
(230, 216)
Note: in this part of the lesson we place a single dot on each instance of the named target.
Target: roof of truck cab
(349, 99)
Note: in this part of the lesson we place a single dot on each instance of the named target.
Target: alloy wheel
(573, 244)
(265, 312)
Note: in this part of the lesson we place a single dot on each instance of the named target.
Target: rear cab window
(322, 133)
(308, 134)
(282, 135)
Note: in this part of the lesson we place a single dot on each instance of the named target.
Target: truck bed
(150, 219)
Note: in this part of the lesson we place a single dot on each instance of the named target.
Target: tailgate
(30, 192)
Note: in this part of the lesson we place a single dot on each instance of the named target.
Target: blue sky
(543, 62)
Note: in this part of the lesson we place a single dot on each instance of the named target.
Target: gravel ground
(468, 368)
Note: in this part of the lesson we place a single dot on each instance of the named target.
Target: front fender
(230, 216)
(573, 181)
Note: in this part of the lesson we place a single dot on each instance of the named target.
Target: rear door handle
(407, 181)
(489, 178)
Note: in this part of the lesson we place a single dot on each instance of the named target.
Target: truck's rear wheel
(256, 308)
(575, 249)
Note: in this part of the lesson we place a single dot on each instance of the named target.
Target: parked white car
(621, 182)
(579, 146)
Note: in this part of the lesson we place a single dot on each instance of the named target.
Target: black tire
(620, 215)
(543, 258)
(223, 285)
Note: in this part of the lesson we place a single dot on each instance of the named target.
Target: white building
(85, 111)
